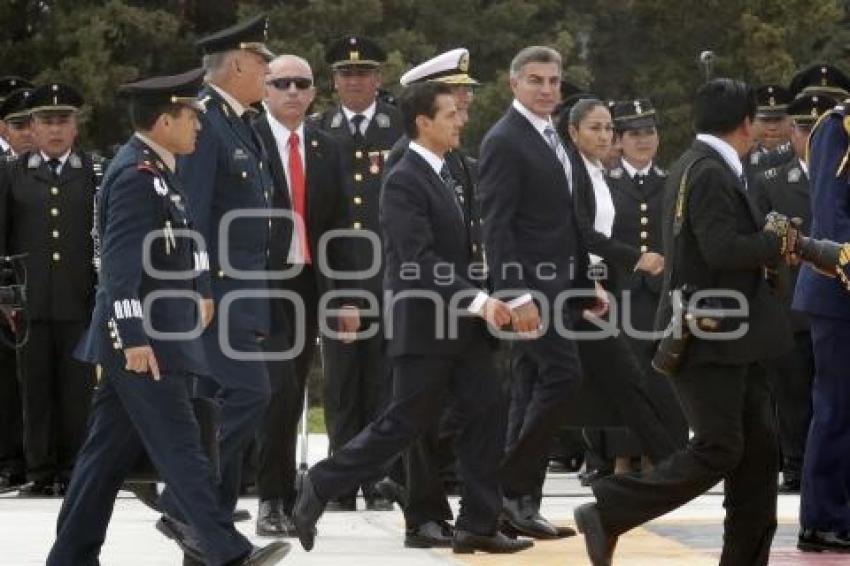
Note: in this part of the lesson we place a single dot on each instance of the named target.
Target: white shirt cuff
(519, 301)
(478, 302)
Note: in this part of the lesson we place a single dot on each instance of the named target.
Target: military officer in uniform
(824, 502)
(356, 379)
(637, 190)
(14, 116)
(785, 189)
(228, 188)
(820, 79)
(46, 205)
(7, 86)
(771, 131)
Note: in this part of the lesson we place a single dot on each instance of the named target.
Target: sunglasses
(284, 83)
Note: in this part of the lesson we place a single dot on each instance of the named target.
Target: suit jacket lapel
(312, 165)
(533, 137)
(438, 185)
(742, 190)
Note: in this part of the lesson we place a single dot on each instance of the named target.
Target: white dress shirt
(4, 145)
(805, 167)
(62, 159)
(369, 113)
(726, 151)
(540, 124)
(631, 171)
(603, 222)
(166, 156)
(436, 163)
(281, 138)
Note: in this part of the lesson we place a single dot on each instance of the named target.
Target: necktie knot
(446, 176)
(54, 165)
(293, 139)
(356, 123)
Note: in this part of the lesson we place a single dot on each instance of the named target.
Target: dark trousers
(551, 382)
(130, 415)
(357, 384)
(729, 408)
(11, 416)
(824, 499)
(241, 387)
(277, 437)
(420, 383)
(56, 392)
(791, 377)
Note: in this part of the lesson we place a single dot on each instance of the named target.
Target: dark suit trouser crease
(420, 383)
(56, 392)
(132, 414)
(11, 415)
(729, 408)
(824, 496)
(278, 435)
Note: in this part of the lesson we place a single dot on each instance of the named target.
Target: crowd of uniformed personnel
(257, 148)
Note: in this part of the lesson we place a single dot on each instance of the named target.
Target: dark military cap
(354, 51)
(772, 100)
(250, 35)
(14, 107)
(10, 84)
(54, 97)
(806, 109)
(171, 89)
(634, 114)
(821, 79)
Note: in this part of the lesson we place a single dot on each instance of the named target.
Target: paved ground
(691, 535)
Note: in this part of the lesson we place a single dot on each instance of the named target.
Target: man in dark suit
(306, 167)
(428, 256)
(534, 254)
(713, 242)
(785, 189)
(824, 501)
(142, 404)
(356, 376)
(46, 204)
(228, 186)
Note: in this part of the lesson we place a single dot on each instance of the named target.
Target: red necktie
(299, 194)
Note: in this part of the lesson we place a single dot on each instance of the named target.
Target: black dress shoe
(270, 518)
(240, 515)
(811, 540)
(393, 491)
(432, 534)
(599, 544)
(270, 554)
(181, 534)
(520, 517)
(465, 542)
(378, 503)
(306, 512)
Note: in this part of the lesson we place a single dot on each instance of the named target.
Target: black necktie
(54, 165)
(356, 121)
(455, 188)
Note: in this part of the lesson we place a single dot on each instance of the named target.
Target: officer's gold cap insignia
(463, 65)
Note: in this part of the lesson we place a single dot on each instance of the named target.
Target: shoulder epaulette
(770, 173)
(659, 171)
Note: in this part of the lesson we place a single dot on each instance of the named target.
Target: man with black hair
(426, 236)
(714, 241)
(142, 403)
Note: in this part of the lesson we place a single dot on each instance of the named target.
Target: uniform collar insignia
(382, 120)
(794, 175)
(336, 122)
(74, 161)
(34, 160)
(659, 171)
(616, 173)
(160, 187)
(754, 157)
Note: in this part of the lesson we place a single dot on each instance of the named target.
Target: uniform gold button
(644, 249)
(221, 274)
(358, 200)
(358, 177)
(56, 256)
(358, 154)
(643, 207)
(356, 226)
(644, 235)
(55, 233)
(261, 165)
(644, 220)
(54, 191)
(244, 174)
(474, 248)
(54, 212)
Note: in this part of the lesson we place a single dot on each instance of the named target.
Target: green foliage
(616, 48)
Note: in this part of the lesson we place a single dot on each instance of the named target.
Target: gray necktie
(455, 189)
(560, 152)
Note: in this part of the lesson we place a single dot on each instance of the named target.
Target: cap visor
(339, 65)
(637, 123)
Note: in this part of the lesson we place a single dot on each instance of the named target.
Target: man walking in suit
(714, 242)
(533, 245)
(824, 500)
(142, 403)
(306, 167)
(428, 255)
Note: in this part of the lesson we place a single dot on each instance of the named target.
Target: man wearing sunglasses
(306, 167)
(357, 383)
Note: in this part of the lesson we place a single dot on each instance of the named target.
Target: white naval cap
(451, 67)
